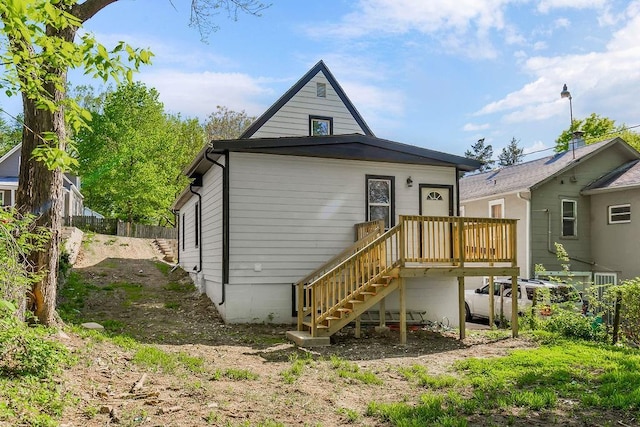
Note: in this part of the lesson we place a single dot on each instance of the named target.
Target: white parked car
(477, 301)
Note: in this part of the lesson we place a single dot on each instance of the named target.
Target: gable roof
(9, 153)
(531, 175)
(348, 147)
(625, 177)
(319, 67)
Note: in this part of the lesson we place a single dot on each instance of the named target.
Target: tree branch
(85, 11)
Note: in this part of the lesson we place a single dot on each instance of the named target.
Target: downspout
(176, 216)
(225, 219)
(199, 226)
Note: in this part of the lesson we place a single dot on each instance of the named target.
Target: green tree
(512, 154)
(227, 124)
(10, 135)
(39, 46)
(594, 128)
(131, 159)
(481, 152)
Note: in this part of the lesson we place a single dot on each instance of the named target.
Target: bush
(25, 351)
(574, 325)
(629, 294)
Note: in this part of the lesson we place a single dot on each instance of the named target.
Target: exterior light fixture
(409, 182)
(566, 94)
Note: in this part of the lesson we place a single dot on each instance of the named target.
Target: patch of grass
(172, 305)
(72, 298)
(164, 268)
(595, 376)
(291, 374)
(234, 374)
(132, 291)
(110, 242)
(352, 371)
(113, 326)
(29, 362)
(419, 375)
(160, 360)
(178, 287)
(351, 415)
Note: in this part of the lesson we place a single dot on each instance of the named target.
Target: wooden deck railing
(452, 241)
(365, 228)
(458, 240)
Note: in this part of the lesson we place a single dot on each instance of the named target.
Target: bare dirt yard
(187, 368)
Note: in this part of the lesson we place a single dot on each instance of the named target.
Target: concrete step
(304, 339)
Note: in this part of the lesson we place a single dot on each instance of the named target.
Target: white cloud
(539, 45)
(463, 26)
(606, 82)
(198, 94)
(546, 5)
(535, 147)
(472, 127)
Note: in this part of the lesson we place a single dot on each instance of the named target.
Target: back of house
(265, 210)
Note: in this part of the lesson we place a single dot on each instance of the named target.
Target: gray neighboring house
(583, 198)
(10, 171)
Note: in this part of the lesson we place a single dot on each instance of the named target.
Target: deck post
(403, 311)
(382, 312)
(492, 300)
(514, 306)
(300, 291)
(358, 327)
(461, 310)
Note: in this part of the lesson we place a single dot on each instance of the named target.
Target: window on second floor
(319, 126)
(569, 218)
(619, 214)
(496, 208)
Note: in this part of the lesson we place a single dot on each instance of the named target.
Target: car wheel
(468, 316)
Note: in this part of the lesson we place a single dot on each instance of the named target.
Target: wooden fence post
(616, 318)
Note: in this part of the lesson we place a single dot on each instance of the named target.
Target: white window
(380, 199)
(319, 126)
(321, 90)
(496, 208)
(619, 214)
(569, 218)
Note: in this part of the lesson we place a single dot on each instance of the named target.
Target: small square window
(321, 90)
(319, 126)
(619, 214)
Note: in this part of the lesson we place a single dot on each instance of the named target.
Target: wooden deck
(418, 246)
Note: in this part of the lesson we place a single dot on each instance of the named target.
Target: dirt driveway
(226, 374)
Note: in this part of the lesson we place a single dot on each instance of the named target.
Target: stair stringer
(359, 308)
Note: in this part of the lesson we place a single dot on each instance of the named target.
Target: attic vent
(321, 90)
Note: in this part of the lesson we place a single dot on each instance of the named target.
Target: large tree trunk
(40, 193)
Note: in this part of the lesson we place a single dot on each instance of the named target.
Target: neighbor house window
(496, 208)
(1, 197)
(196, 224)
(184, 236)
(320, 126)
(380, 199)
(619, 214)
(321, 90)
(569, 218)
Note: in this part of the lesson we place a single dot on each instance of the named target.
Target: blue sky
(434, 73)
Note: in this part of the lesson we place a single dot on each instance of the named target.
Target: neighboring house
(275, 205)
(583, 198)
(10, 171)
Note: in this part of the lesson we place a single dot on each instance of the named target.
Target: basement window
(619, 214)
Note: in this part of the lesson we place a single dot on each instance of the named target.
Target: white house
(269, 208)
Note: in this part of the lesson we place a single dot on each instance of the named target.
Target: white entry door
(436, 200)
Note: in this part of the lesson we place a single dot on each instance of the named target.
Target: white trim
(624, 221)
(462, 210)
(496, 202)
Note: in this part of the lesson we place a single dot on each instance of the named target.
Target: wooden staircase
(349, 286)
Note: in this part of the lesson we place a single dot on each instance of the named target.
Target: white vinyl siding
(293, 118)
(189, 255)
(290, 214)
